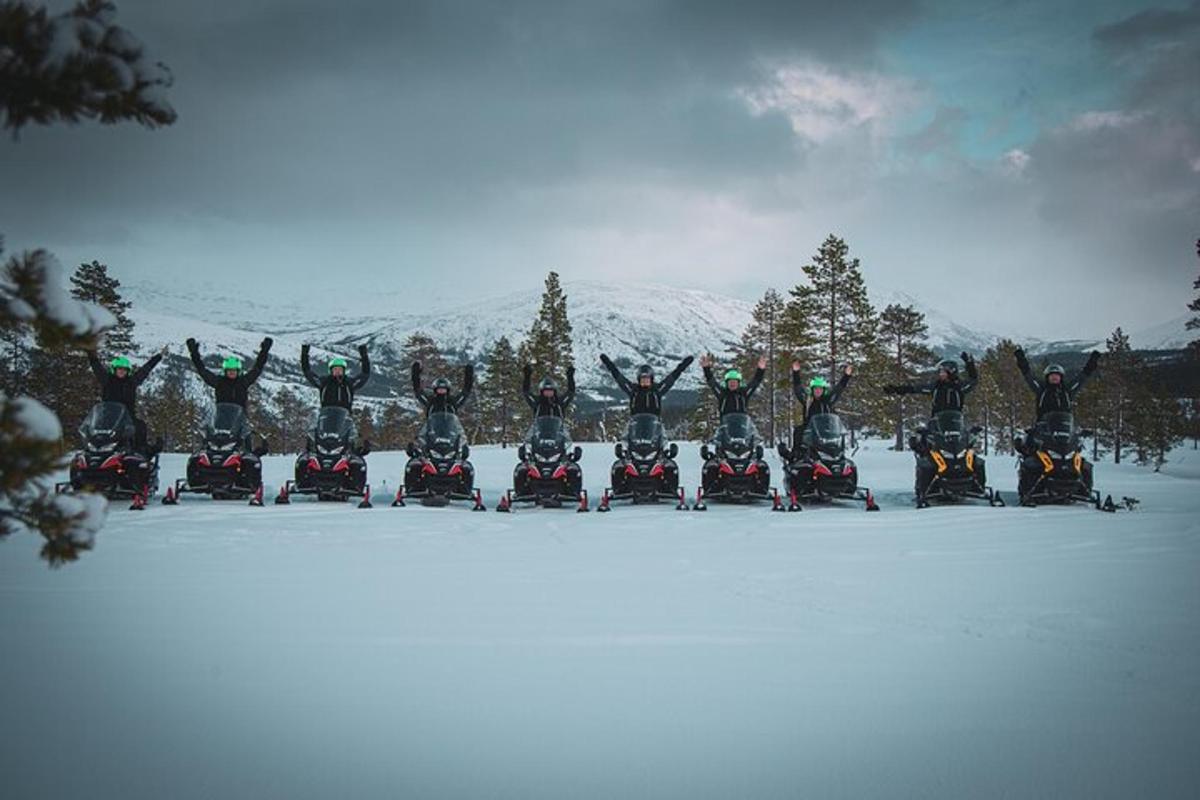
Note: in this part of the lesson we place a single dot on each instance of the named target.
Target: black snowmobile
(1052, 468)
(734, 470)
(227, 466)
(438, 470)
(548, 473)
(332, 465)
(818, 468)
(948, 469)
(645, 470)
(110, 463)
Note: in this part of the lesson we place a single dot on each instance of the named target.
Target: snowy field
(316, 651)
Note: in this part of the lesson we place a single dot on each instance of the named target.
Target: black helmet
(949, 365)
(1051, 369)
(441, 386)
(547, 383)
(645, 371)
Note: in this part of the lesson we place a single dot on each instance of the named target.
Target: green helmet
(733, 375)
(232, 362)
(337, 362)
(120, 362)
(818, 383)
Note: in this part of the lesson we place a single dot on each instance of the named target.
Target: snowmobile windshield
(107, 424)
(334, 424)
(737, 435)
(827, 433)
(548, 438)
(644, 434)
(1058, 431)
(443, 434)
(227, 425)
(950, 431)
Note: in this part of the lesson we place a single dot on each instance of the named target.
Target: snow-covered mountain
(631, 323)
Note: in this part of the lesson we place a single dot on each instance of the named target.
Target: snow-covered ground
(216, 650)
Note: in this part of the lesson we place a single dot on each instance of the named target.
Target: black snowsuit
(1055, 397)
(337, 391)
(948, 395)
(555, 406)
(434, 403)
(230, 390)
(819, 405)
(733, 401)
(124, 390)
(646, 399)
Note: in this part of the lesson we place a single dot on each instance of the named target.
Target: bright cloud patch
(821, 103)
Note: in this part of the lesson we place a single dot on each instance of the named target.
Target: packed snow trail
(317, 650)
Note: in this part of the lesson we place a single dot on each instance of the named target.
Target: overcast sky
(1034, 164)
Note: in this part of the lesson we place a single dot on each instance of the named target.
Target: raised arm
(144, 370)
(306, 368)
(361, 379)
(621, 380)
(206, 375)
(673, 376)
(798, 383)
(1023, 366)
(711, 380)
(755, 382)
(1088, 370)
(264, 351)
(569, 397)
(418, 392)
(836, 393)
(972, 374)
(97, 367)
(468, 385)
(527, 387)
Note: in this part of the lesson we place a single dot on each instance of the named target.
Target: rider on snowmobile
(733, 397)
(337, 388)
(547, 402)
(949, 393)
(439, 400)
(1056, 393)
(823, 400)
(232, 384)
(119, 384)
(645, 396)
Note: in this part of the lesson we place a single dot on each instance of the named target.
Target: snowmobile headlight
(547, 459)
(106, 448)
(223, 448)
(949, 454)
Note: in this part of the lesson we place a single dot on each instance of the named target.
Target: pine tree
(1109, 399)
(1001, 398)
(763, 337)
(395, 427)
(294, 417)
(548, 346)
(38, 86)
(364, 424)
(903, 332)
(501, 409)
(1194, 322)
(169, 410)
(420, 347)
(92, 283)
(829, 320)
(1157, 423)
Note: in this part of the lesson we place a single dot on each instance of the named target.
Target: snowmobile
(948, 469)
(645, 470)
(548, 472)
(734, 470)
(819, 469)
(227, 466)
(332, 466)
(110, 462)
(438, 470)
(1052, 468)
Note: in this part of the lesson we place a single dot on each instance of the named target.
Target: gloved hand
(1022, 361)
(570, 372)
(362, 351)
(266, 343)
(192, 344)
(1093, 361)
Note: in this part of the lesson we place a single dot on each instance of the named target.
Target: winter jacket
(646, 399)
(948, 395)
(230, 390)
(337, 391)
(121, 390)
(555, 406)
(819, 405)
(1055, 397)
(733, 401)
(432, 402)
